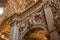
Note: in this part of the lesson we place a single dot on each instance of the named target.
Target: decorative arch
(38, 27)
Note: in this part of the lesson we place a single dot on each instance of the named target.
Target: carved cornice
(25, 14)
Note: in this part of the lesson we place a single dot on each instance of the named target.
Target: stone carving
(55, 3)
(22, 26)
(37, 19)
(55, 6)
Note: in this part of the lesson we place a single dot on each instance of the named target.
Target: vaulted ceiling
(5, 29)
(22, 6)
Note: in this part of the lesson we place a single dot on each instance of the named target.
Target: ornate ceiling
(24, 9)
(14, 7)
